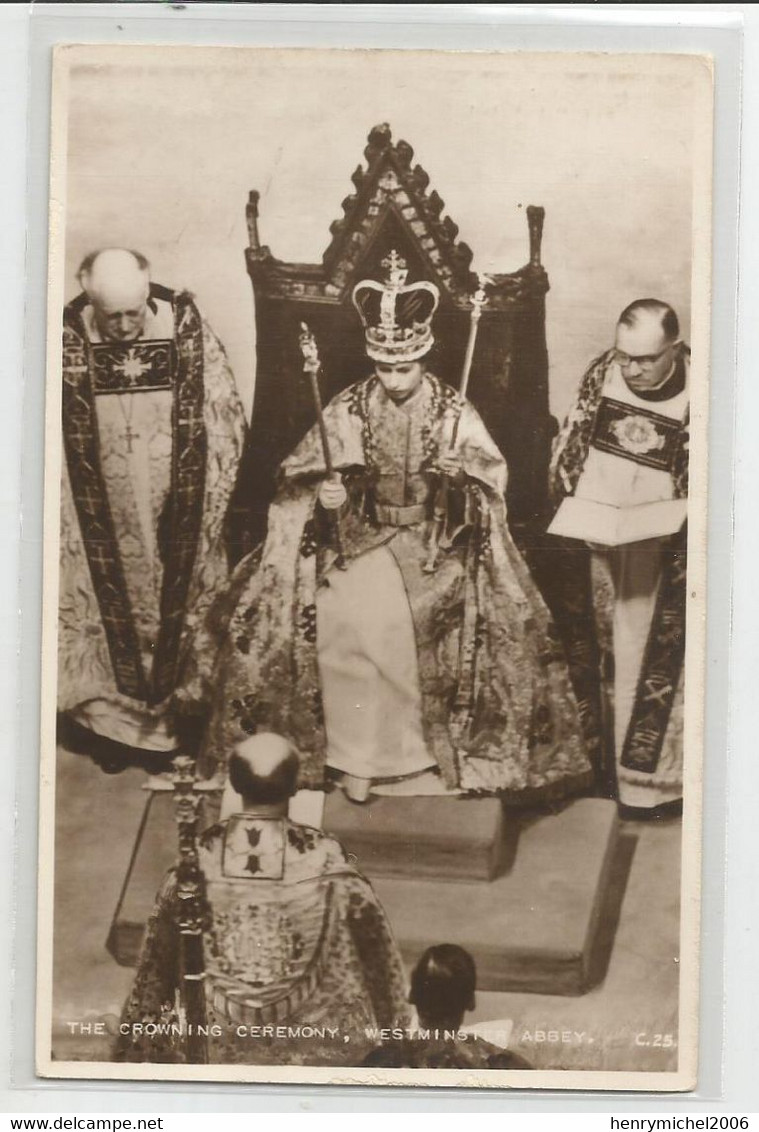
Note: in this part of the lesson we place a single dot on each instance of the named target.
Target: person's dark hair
(423, 361)
(274, 787)
(85, 267)
(669, 321)
(443, 983)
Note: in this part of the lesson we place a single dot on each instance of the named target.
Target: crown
(397, 316)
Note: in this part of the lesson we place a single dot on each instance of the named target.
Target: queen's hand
(450, 466)
(332, 495)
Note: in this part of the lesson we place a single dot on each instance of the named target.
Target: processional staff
(191, 910)
(440, 513)
(312, 366)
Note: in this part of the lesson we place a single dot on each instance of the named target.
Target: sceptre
(479, 300)
(440, 513)
(190, 911)
(312, 366)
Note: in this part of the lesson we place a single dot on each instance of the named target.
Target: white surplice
(634, 571)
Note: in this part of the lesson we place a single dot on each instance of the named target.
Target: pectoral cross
(130, 435)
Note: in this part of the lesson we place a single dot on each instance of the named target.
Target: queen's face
(400, 379)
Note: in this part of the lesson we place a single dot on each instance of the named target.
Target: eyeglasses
(645, 361)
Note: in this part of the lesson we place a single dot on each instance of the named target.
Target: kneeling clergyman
(300, 965)
(422, 665)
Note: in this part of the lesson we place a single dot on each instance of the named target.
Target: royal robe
(472, 669)
(628, 602)
(153, 432)
(294, 942)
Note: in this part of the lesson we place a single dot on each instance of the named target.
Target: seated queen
(415, 656)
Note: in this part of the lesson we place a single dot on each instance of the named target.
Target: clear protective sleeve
(719, 955)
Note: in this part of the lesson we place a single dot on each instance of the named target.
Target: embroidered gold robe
(490, 704)
(295, 942)
(153, 432)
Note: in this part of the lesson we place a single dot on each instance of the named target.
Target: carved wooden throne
(392, 207)
(532, 917)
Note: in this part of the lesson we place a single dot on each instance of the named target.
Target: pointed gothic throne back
(392, 207)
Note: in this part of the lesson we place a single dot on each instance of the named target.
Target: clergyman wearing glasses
(620, 466)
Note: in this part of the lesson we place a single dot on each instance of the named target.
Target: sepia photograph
(375, 513)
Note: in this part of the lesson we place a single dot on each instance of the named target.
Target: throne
(413, 848)
(392, 207)
(533, 912)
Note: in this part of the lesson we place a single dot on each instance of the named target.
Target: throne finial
(535, 217)
(379, 139)
(251, 216)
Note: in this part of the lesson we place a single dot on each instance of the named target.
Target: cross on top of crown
(396, 268)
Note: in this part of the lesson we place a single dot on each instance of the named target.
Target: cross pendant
(130, 436)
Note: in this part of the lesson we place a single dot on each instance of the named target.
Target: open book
(614, 526)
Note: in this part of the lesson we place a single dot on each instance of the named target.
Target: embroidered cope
(153, 432)
(294, 938)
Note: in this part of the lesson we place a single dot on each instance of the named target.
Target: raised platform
(436, 837)
(531, 929)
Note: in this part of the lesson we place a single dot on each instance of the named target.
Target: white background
(21, 190)
(163, 152)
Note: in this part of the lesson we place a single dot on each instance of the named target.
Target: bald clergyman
(153, 430)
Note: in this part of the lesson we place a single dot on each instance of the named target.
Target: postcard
(358, 766)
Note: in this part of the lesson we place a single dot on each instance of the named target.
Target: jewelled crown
(397, 316)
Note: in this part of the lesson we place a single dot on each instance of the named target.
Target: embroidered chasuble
(298, 954)
(620, 448)
(384, 670)
(153, 431)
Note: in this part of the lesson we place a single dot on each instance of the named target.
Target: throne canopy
(392, 207)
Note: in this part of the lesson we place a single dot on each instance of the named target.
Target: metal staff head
(479, 298)
(311, 367)
(308, 349)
